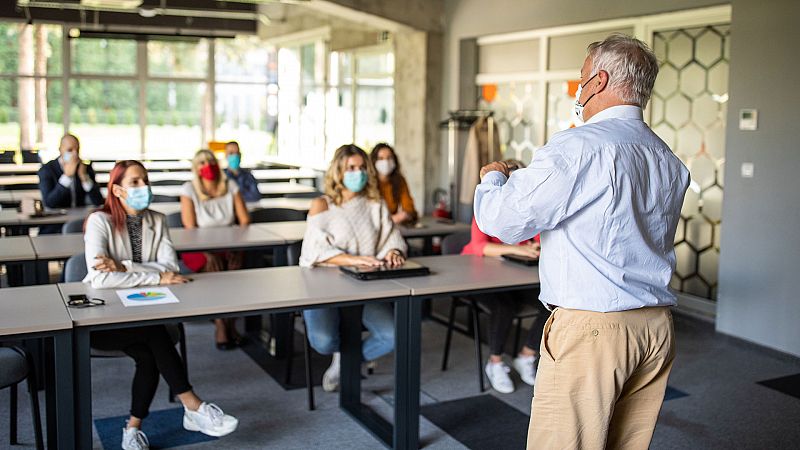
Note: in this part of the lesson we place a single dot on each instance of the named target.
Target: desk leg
(407, 373)
(64, 400)
(350, 334)
(83, 389)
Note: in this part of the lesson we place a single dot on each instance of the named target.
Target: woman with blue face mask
(128, 245)
(350, 225)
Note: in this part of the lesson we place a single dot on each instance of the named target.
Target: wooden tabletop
(228, 238)
(238, 291)
(457, 273)
(13, 180)
(259, 174)
(18, 169)
(16, 249)
(32, 309)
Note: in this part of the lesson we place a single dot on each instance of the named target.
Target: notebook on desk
(409, 269)
(524, 260)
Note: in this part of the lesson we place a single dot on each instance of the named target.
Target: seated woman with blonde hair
(212, 200)
(350, 225)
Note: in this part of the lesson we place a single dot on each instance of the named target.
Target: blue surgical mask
(68, 157)
(139, 197)
(355, 180)
(578, 105)
(234, 160)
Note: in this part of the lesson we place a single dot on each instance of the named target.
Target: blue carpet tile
(789, 385)
(164, 429)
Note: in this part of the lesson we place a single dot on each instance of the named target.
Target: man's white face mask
(578, 111)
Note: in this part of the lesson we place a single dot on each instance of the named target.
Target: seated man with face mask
(248, 186)
(66, 182)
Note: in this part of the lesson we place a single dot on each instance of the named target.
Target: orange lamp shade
(572, 87)
(489, 92)
(216, 146)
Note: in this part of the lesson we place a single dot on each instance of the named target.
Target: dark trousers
(153, 351)
(503, 306)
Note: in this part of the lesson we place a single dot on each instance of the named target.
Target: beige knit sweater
(358, 227)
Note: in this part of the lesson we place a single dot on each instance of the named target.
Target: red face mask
(209, 172)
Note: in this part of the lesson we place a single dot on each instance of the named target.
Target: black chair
(174, 220)
(303, 195)
(262, 215)
(73, 226)
(160, 198)
(31, 156)
(7, 157)
(17, 365)
(75, 270)
(452, 245)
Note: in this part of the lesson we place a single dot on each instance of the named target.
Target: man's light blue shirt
(606, 198)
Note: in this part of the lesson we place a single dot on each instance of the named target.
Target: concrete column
(417, 105)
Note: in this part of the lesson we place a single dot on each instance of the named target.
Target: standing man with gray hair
(606, 198)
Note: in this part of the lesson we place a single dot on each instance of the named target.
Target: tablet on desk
(408, 269)
(524, 260)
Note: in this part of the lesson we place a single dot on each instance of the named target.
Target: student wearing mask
(66, 182)
(350, 225)
(212, 200)
(504, 305)
(248, 186)
(392, 184)
(128, 245)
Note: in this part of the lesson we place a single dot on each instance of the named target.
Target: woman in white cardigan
(128, 245)
(350, 225)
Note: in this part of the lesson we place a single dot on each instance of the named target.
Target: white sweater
(359, 227)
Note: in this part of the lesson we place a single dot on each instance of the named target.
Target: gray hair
(631, 66)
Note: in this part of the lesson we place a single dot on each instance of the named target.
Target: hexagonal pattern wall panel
(688, 111)
(513, 107)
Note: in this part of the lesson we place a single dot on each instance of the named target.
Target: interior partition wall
(529, 80)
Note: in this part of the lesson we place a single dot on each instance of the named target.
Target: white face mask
(385, 167)
(578, 111)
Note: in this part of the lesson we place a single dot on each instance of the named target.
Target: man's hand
(497, 166)
(83, 173)
(72, 166)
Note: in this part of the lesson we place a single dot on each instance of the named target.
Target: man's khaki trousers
(601, 379)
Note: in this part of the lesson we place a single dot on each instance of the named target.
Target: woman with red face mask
(212, 200)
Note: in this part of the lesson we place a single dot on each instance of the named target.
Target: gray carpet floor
(725, 407)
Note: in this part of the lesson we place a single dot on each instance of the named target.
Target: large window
(31, 85)
(154, 99)
(327, 100)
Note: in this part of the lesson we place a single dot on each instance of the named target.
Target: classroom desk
(18, 251)
(19, 169)
(37, 312)
(429, 228)
(450, 275)
(266, 189)
(106, 166)
(259, 174)
(209, 296)
(55, 247)
(16, 180)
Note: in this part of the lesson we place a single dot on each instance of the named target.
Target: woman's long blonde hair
(201, 157)
(334, 177)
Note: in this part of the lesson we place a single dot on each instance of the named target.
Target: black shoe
(226, 345)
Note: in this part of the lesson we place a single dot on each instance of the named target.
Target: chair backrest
(73, 226)
(454, 243)
(75, 268)
(160, 198)
(174, 220)
(31, 156)
(303, 195)
(261, 215)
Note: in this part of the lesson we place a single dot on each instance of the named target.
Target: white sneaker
(330, 379)
(209, 419)
(134, 439)
(526, 368)
(498, 377)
